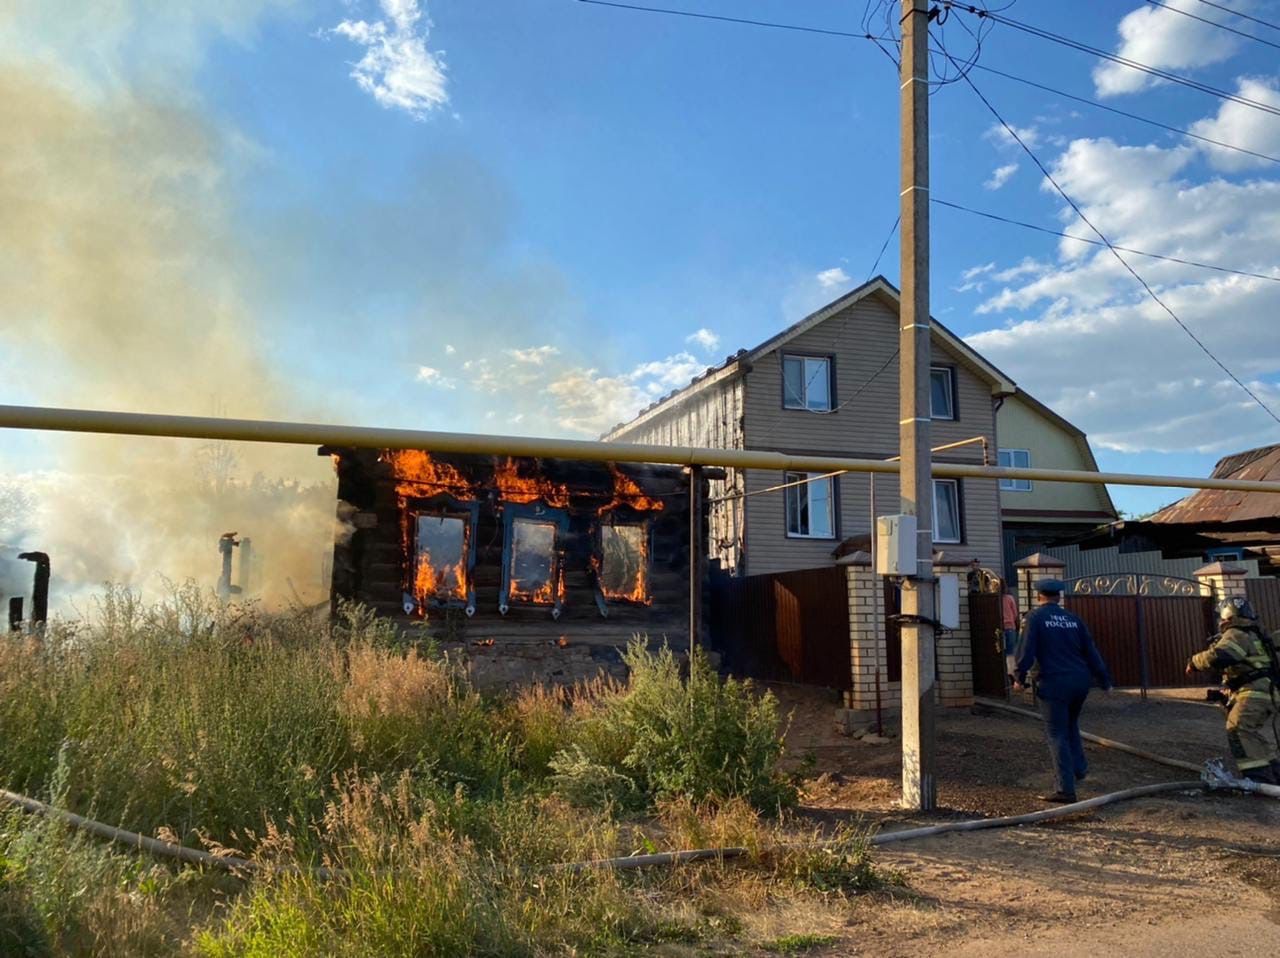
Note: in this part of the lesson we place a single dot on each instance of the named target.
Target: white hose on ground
(156, 846)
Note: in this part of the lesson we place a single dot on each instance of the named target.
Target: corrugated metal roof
(1224, 505)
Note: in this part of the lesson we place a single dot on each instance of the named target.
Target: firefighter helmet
(1235, 607)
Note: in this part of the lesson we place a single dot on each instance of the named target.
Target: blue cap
(1051, 587)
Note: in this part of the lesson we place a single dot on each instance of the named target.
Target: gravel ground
(1152, 877)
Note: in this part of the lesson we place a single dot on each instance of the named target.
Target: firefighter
(1245, 655)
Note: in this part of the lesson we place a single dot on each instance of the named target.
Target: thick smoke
(120, 282)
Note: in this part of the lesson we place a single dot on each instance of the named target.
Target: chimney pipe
(40, 586)
(226, 542)
(15, 614)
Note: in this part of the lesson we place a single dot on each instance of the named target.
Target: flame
(639, 590)
(550, 592)
(417, 474)
(433, 580)
(514, 487)
(627, 493)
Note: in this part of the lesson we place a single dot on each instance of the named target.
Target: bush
(701, 739)
(410, 884)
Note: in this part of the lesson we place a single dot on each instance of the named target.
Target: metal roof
(1224, 505)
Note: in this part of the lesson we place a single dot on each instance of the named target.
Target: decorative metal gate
(1145, 626)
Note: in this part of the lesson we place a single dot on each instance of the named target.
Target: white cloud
(1000, 176)
(1164, 39)
(972, 278)
(534, 355)
(1000, 136)
(1243, 126)
(704, 338)
(433, 377)
(449, 350)
(397, 69)
(1080, 334)
(833, 277)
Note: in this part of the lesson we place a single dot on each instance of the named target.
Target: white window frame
(955, 484)
(806, 378)
(1012, 455)
(951, 393)
(806, 481)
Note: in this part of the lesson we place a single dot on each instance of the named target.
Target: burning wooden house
(515, 556)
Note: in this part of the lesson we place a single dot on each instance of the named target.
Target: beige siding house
(1035, 513)
(828, 385)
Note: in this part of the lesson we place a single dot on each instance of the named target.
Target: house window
(942, 392)
(440, 559)
(1015, 459)
(624, 562)
(946, 511)
(532, 570)
(806, 383)
(810, 506)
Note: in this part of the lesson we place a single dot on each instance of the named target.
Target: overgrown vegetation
(441, 815)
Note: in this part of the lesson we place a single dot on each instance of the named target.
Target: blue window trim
(541, 513)
(450, 508)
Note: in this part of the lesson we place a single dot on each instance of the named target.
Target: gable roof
(741, 361)
(1227, 505)
(1076, 433)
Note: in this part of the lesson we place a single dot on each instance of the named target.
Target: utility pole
(919, 790)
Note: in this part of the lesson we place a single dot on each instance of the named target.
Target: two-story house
(828, 385)
(1035, 514)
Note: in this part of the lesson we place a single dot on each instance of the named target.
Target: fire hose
(1213, 777)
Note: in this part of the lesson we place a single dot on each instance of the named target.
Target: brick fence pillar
(954, 649)
(866, 633)
(1030, 571)
(1220, 580)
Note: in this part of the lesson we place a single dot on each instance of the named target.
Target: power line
(1058, 38)
(1094, 242)
(977, 66)
(1125, 113)
(798, 28)
(1240, 13)
(888, 239)
(1115, 252)
(1213, 23)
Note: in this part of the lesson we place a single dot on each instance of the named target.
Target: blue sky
(534, 215)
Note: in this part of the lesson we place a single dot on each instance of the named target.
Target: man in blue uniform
(1066, 665)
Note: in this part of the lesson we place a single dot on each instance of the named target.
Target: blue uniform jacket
(1067, 661)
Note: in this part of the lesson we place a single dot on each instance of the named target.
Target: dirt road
(1167, 875)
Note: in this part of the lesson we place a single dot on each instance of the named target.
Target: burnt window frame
(830, 360)
(541, 513)
(645, 522)
(441, 506)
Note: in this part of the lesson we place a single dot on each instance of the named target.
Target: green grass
(300, 742)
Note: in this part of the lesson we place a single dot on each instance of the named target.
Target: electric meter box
(896, 545)
(949, 600)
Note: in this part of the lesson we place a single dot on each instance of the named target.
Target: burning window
(442, 559)
(624, 562)
(532, 573)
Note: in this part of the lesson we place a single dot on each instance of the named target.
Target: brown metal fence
(1264, 596)
(792, 626)
(1146, 640)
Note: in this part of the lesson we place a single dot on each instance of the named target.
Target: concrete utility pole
(919, 790)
